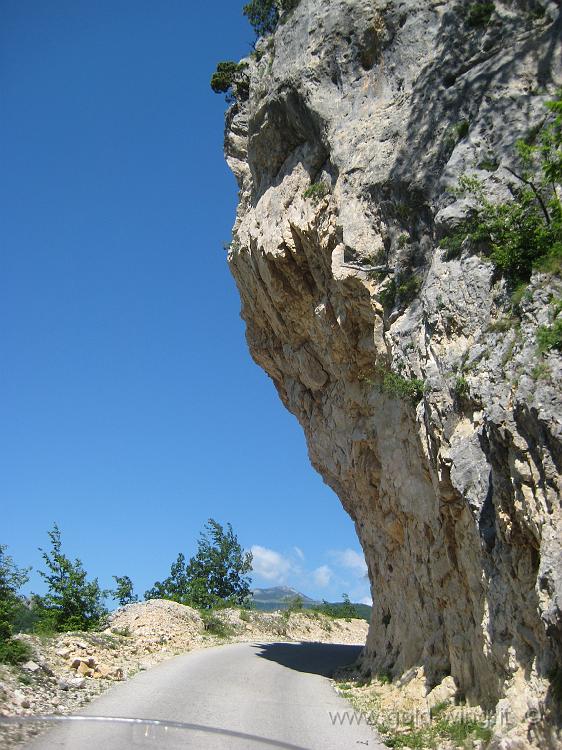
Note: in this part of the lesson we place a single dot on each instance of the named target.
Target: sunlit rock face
(454, 491)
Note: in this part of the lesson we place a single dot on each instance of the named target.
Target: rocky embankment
(68, 670)
(415, 372)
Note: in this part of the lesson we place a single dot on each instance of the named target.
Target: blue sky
(130, 410)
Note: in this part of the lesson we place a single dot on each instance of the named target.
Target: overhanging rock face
(425, 404)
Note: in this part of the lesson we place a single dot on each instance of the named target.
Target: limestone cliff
(425, 404)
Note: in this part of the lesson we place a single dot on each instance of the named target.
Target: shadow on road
(315, 658)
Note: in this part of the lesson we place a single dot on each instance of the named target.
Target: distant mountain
(280, 597)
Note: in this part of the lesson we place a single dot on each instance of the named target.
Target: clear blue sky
(130, 410)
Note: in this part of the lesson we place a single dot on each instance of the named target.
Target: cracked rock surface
(455, 492)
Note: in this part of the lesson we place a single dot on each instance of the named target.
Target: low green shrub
(385, 678)
(214, 625)
(434, 735)
(525, 233)
(550, 337)
(14, 651)
(408, 389)
(479, 14)
(461, 388)
(401, 290)
(316, 191)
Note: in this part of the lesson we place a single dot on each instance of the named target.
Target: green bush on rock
(525, 233)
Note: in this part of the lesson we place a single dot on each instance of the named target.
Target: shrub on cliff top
(479, 14)
(264, 15)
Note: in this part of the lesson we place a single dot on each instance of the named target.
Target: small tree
(296, 604)
(229, 77)
(72, 602)
(218, 570)
(264, 15)
(12, 579)
(123, 592)
(348, 610)
(175, 586)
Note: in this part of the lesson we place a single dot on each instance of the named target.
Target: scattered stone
(31, 666)
(84, 669)
(443, 692)
(70, 683)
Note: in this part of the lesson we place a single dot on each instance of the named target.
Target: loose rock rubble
(68, 670)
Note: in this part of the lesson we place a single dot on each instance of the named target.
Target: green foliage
(540, 371)
(26, 616)
(550, 337)
(438, 709)
(461, 388)
(175, 586)
(490, 164)
(457, 132)
(408, 389)
(12, 579)
(348, 610)
(72, 602)
(219, 569)
(435, 734)
(479, 14)
(123, 592)
(395, 385)
(339, 611)
(229, 75)
(264, 15)
(296, 604)
(13, 651)
(214, 625)
(215, 575)
(316, 191)
(401, 290)
(525, 233)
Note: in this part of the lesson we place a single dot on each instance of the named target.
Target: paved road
(269, 695)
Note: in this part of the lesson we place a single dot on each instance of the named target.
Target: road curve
(243, 695)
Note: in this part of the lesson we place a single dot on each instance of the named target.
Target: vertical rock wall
(454, 493)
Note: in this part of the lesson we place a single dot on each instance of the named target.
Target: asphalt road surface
(244, 695)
